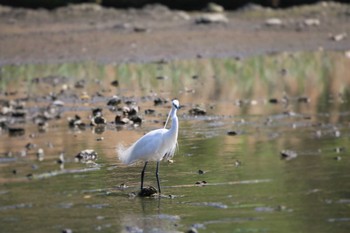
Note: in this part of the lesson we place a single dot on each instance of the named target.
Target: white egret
(156, 145)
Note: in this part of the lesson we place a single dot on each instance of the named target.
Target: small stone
(339, 37)
(273, 101)
(312, 22)
(339, 149)
(16, 131)
(288, 154)
(159, 101)
(76, 122)
(237, 163)
(60, 159)
(136, 119)
(40, 154)
(67, 231)
(148, 191)
(80, 84)
(192, 230)
(274, 22)
(114, 101)
(86, 155)
(214, 8)
(150, 111)
(232, 133)
(162, 77)
(303, 99)
(115, 83)
(201, 182)
(197, 111)
(201, 172)
(58, 103)
(119, 120)
(211, 18)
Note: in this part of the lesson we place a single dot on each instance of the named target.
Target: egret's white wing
(147, 148)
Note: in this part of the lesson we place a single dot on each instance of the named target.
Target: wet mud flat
(263, 145)
(156, 33)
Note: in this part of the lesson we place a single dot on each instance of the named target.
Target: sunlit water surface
(295, 102)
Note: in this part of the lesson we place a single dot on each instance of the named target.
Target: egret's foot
(148, 191)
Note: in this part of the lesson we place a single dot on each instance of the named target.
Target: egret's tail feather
(123, 154)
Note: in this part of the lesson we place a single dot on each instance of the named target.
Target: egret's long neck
(174, 120)
(174, 123)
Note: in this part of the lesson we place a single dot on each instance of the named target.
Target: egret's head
(176, 104)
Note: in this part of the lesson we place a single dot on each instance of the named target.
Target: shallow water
(295, 104)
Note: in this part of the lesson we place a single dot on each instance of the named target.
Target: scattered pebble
(119, 120)
(60, 159)
(214, 8)
(67, 231)
(16, 131)
(274, 22)
(288, 154)
(201, 182)
(148, 191)
(159, 101)
(150, 111)
(192, 230)
(114, 101)
(86, 155)
(197, 111)
(40, 154)
(237, 163)
(211, 18)
(339, 37)
(76, 122)
(201, 172)
(115, 83)
(312, 22)
(232, 133)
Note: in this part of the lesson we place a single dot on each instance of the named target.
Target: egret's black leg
(143, 174)
(157, 171)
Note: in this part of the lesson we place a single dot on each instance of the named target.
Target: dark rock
(80, 84)
(197, 111)
(119, 120)
(115, 83)
(16, 131)
(159, 101)
(97, 112)
(98, 120)
(148, 191)
(40, 154)
(288, 154)
(114, 101)
(303, 99)
(136, 119)
(192, 230)
(30, 146)
(67, 231)
(161, 77)
(86, 155)
(232, 133)
(76, 122)
(150, 111)
(273, 101)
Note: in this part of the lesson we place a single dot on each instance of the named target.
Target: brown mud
(156, 33)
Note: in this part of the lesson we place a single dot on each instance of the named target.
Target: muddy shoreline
(156, 33)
